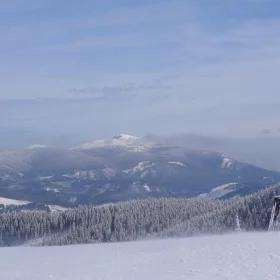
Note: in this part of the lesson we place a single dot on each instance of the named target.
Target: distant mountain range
(122, 168)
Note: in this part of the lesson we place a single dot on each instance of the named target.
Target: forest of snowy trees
(137, 219)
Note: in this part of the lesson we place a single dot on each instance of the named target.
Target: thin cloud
(127, 91)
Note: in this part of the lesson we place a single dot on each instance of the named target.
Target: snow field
(238, 256)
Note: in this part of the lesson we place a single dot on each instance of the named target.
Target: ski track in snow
(241, 256)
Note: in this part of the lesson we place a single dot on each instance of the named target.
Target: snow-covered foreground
(235, 256)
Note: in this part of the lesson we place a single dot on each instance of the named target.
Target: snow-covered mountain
(124, 167)
(129, 142)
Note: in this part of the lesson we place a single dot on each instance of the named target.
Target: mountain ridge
(123, 168)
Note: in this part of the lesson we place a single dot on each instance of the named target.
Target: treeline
(137, 219)
(253, 213)
(25, 207)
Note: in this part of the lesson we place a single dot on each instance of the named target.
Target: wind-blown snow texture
(241, 256)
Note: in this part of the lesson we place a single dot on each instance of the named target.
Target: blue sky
(91, 69)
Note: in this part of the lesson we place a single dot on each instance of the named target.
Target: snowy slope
(7, 201)
(220, 191)
(242, 256)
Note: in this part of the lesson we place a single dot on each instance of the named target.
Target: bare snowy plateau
(241, 256)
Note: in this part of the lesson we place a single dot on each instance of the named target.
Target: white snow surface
(147, 188)
(55, 190)
(8, 201)
(56, 208)
(140, 167)
(242, 256)
(220, 191)
(177, 163)
(227, 163)
(45, 178)
(131, 142)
